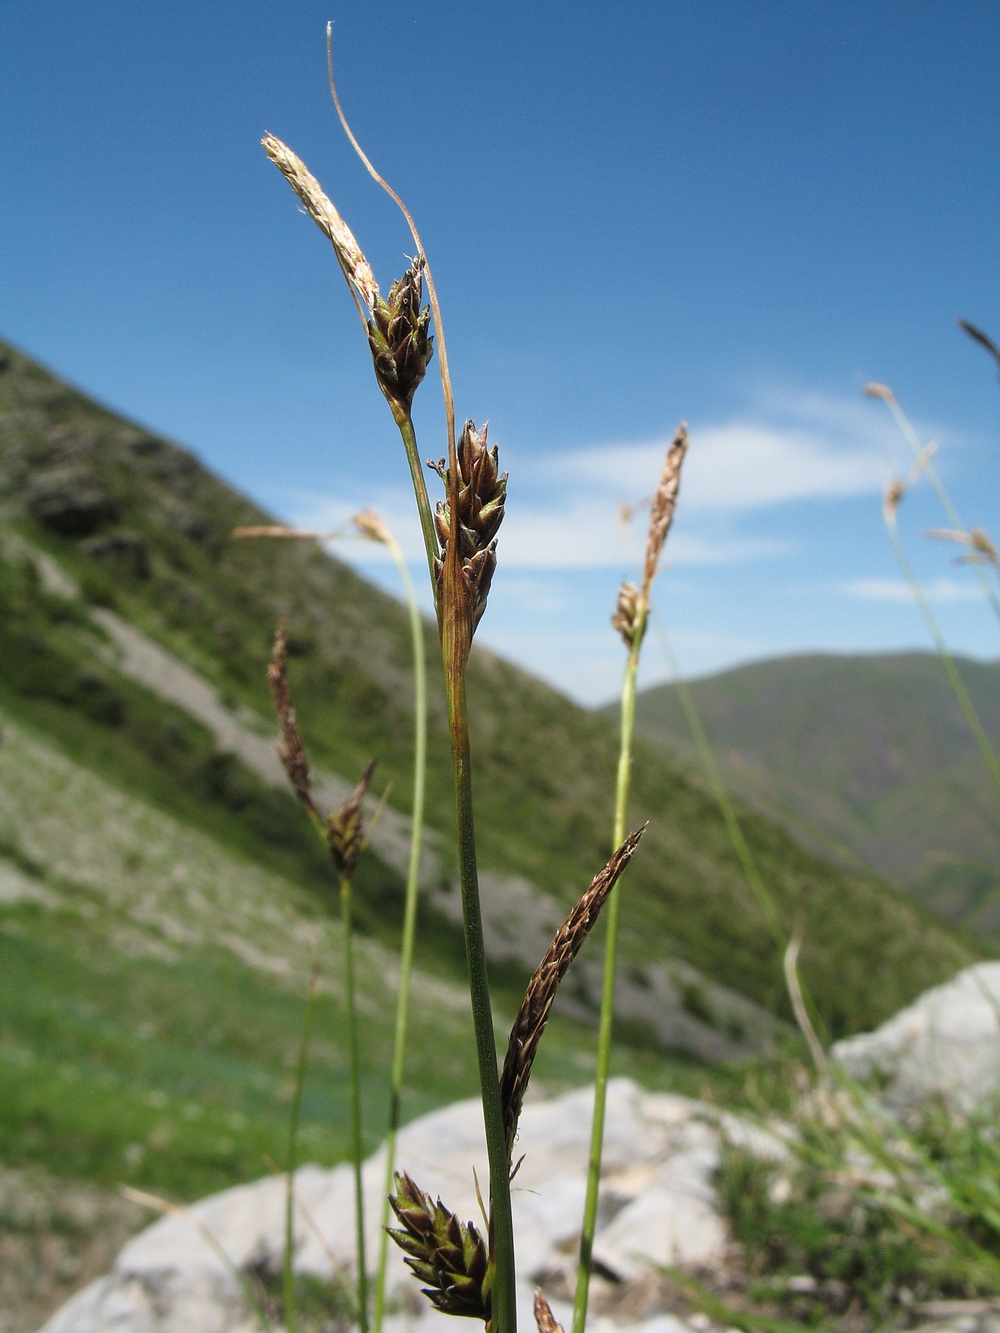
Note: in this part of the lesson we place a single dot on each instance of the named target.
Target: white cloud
(941, 591)
(562, 511)
(790, 449)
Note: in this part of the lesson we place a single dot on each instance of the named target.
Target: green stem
(405, 423)
(947, 661)
(606, 1021)
(409, 918)
(504, 1314)
(288, 1276)
(355, 1081)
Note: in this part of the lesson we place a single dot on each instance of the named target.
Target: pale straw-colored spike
(280, 532)
(663, 506)
(370, 525)
(875, 390)
(356, 268)
(544, 1318)
(922, 460)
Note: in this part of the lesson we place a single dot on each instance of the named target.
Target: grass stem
(947, 661)
(409, 916)
(288, 1268)
(606, 1022)
(504, 1318)
(354, 1063)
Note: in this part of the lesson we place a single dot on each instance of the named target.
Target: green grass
(877, 1214)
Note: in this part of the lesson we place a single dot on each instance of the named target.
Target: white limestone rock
(947, 1044)
(660, 1152)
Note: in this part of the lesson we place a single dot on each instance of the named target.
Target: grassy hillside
(868, 753)
(162, 893)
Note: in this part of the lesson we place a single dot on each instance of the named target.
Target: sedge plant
(630, 619)
(464, 1272)
(460, 543)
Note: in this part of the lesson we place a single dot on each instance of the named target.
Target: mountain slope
(142, 531)
(871, 753)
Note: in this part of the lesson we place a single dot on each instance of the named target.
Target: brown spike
(537, 1004)
(291, 749)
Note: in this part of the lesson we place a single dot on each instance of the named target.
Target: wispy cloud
(562, 509)
(786, 449)
(941, 591)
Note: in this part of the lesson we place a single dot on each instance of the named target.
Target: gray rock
(945, 1044)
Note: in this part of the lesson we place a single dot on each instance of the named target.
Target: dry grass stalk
(545, 1320)
(345, 827)
(663, 506)
(977, 335)
(355, 266)
(790, 963)
(897, 488)
(449, 1255)
(979, 545)
(276, 530)
(541, 992)
(292, 750)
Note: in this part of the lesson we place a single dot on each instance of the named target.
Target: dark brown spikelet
(291, 749)
(345, 828)
(448, 1255)
(664, 503)
(400, 344)
(545, 1320)
(537, 1003)
(482, 491)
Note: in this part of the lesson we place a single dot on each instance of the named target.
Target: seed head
(370, 525)
(397, 327)
(400, 344)
(356, 268)
(345, 828)
(876, 390)
(662, 509)
(625, 618)
(482, 491)
(291, 749)
(449, 1255)
(541, 992)
(545, 1320)
(894, 493)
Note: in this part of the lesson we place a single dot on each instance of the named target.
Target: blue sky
(735, 213)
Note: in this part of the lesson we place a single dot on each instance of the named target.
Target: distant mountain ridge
(867, 753)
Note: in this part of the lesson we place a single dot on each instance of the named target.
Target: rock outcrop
(657, 1205)
(946, 1044)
